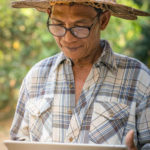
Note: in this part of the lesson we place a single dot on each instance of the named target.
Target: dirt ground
(4, 132)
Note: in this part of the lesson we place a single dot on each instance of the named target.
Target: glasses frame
(70, 29)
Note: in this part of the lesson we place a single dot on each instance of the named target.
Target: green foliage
(123, 34)
(140, 47)
(25, 40)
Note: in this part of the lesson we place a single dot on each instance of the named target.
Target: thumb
(129, 140)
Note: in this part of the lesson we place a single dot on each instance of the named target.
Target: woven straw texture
(117, 10)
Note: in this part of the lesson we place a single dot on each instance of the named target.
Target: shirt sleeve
(20, 125)
(143, 122)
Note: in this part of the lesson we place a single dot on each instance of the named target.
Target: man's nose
(69, 36)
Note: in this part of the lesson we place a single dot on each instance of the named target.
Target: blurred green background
(25, 40)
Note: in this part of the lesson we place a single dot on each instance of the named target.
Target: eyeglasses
(77, 31)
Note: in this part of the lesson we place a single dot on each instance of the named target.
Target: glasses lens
(57, 30)
(80, 32)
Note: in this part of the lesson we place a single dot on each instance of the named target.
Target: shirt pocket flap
(108, 122)
(36, 107)
(112, 110)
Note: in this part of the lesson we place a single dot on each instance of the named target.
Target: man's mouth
(73, 48)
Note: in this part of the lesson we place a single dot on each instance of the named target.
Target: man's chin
(73, 55)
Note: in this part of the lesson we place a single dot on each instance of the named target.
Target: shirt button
(111, 115)
(69, 111)
(70, 139)
(38, 112)
(70, 86)
(68, 61)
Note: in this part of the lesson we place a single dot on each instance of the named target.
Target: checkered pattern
(115, 98)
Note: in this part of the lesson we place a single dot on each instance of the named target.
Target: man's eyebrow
(83, 21)
(78, 21)
(56, 20)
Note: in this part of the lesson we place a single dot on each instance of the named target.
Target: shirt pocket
(39, 118)
(108, 122)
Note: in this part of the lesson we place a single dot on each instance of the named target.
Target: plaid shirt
(115, 99)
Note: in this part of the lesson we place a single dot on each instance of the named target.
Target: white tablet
(21, 145)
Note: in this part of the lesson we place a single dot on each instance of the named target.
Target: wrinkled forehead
(73, 11)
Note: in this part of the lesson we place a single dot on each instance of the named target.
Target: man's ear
(104, 19)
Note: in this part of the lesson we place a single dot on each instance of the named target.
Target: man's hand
(129, 140)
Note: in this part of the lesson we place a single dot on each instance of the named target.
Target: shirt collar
(107, 57)
(60, 59)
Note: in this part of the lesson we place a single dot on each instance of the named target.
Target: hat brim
(117, 10)
(41, 5)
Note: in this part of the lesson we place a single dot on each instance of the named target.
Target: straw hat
(117, 10)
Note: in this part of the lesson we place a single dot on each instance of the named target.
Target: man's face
(72, 16)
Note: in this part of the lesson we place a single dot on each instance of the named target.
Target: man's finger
(129, 140)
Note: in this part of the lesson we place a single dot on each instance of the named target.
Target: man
(86, 93)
